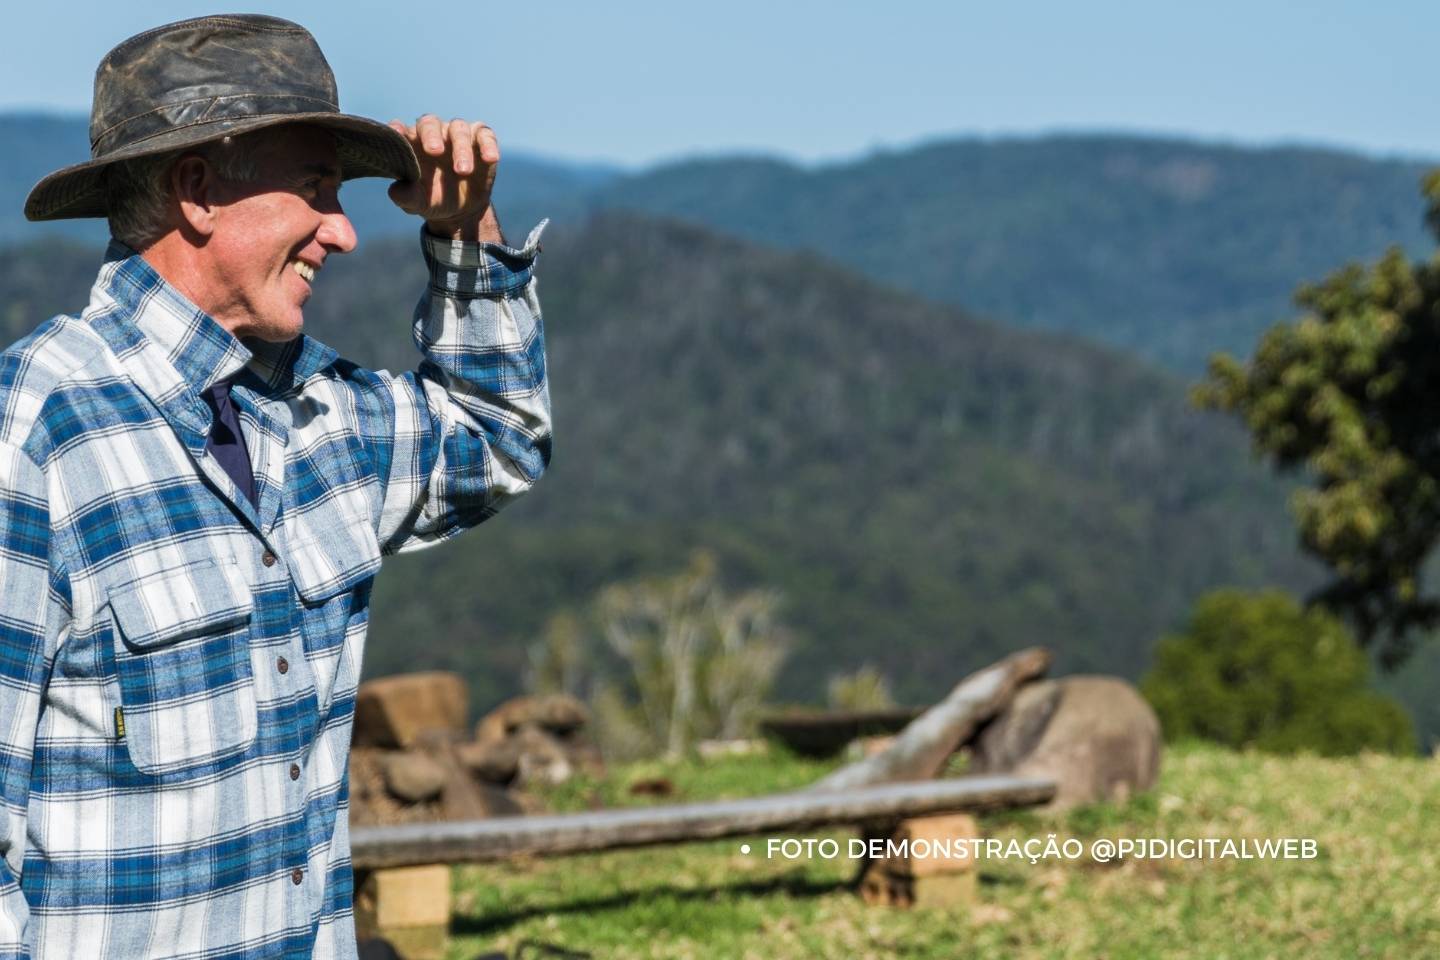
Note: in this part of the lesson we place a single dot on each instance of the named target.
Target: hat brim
(366, 148)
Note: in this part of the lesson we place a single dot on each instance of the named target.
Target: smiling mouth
(304, 269)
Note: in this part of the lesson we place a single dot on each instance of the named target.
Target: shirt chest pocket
(182, 659)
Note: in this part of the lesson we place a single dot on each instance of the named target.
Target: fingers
(461, 147)
(466, 141)
(458, 160)
(489, 146)
(431, 134)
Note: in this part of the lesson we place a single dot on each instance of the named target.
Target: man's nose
(336, 232)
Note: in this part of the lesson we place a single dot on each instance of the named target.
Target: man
(195, 497)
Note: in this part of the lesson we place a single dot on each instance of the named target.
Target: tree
(1348, 396)
(1255, 670)
(694, 661)
(865, 688)
(558, 660)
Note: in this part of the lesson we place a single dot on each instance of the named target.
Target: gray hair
(137, 192)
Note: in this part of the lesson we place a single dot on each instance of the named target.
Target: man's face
(272, 235)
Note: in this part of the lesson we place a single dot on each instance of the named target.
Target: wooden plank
(475, 841)
(921, 749)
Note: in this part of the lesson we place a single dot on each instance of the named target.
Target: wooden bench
(402, 876)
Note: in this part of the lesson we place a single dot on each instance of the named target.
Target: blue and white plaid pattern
(178, 666)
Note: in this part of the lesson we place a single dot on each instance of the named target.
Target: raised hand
(458, 161)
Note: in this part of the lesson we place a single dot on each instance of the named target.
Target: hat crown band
(211, 109)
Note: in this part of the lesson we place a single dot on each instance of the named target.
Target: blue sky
(636, 82)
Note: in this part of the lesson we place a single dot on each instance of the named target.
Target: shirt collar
(284, 365)
(201, 350)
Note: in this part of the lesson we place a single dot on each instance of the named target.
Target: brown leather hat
(199, 80)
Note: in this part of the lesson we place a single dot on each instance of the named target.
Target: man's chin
(281, 332)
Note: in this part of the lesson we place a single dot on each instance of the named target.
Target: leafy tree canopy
(1255, 670)
(1347, 395)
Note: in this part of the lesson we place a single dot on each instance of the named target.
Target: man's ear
(193, 185)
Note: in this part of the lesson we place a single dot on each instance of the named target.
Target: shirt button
(294, 771)
(282, 665)
(268, 559)
(297, 876)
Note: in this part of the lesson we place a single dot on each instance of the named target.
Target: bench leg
(408, 906)
(934, 880)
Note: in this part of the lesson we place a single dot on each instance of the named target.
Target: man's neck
(185, 267)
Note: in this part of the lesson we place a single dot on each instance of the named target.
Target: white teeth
(305, 270)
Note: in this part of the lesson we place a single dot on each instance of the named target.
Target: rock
(395, 711)
(414, 777)
(477, 801)
(465, 798)
(496, 762)
(543, 759)
(1096, 737)
(462, 798)
(556, 714)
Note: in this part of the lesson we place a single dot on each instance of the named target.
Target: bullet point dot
(744, 848)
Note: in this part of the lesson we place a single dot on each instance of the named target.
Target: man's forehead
(306, 150)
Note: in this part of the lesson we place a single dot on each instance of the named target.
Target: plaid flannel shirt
(178, 666)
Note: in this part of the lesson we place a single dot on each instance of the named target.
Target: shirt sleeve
(468, 430)
(34, 612)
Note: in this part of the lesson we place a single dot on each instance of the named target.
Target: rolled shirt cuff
(459, 268)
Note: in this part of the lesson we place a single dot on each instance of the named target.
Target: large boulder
(1096, 737)
(396, 711)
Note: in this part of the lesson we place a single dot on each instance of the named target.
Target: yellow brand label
(119, 723)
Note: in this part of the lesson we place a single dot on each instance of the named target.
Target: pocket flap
(185, 602)
(334, 562)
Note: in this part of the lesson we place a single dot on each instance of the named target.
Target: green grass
(1374, 890)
